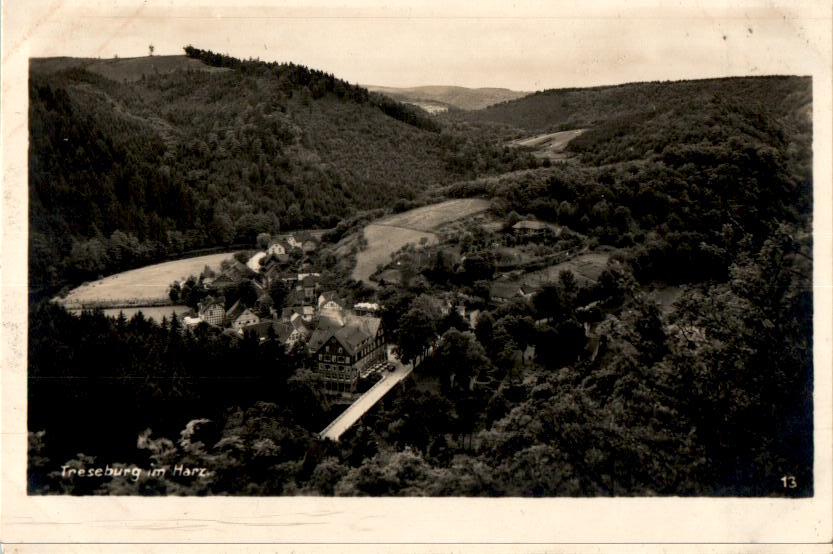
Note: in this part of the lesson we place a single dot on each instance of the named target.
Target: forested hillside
(695, 180)
(125, 171)
(629, 104)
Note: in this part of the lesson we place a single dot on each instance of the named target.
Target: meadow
(417, 226)
(140, 287)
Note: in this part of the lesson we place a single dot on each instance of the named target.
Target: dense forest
(124, 173)
(618, 108)
(584, 388)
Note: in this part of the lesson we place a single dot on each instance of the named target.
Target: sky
(522, 45)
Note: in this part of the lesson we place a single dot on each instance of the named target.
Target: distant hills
(575, 108)
(133, 160)
(440, 98)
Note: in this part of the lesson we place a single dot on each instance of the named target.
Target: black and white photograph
(338, 251)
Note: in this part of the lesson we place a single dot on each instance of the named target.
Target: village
(279, 294)
(347, 341)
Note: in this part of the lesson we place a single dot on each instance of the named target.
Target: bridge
(366, 401)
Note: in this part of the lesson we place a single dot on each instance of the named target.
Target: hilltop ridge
(462, 98)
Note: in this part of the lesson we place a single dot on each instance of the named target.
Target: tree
(150, 49)
(478, 267)
(511, 219)
(245, 291)
(418, 329)
(174, 291)
(484, 328)
(547, 302)
(263, 240)
(652, 340)
(521, 329)
(459, 358)
(569, 288)
(452, 320)
(223, 227)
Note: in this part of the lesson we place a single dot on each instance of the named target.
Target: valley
(574, 292)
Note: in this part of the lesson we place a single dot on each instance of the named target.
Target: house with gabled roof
(278, 248)
(309, 283)
(534, 228)
(236, 309)
(212, 310)
(233, 275)
(330, 304)
(264, 303)
(261, 329)
(246, 318)
(344, 353)
(306, 312)
(292, 331)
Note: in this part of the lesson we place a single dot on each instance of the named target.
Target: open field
(550, 145)
(428, 218)
(382, 241)
(586, 267)
(430, 107)
(142, 286)
(389, 234)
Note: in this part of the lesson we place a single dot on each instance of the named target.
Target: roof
(351, 335)
(304, 311)
(283, 330)
(246, 312)
(371, 306)
(223, 281)
(282, 243)
(297, 323)
(287, 313)
(236, 309)
(310, 280)
(209, 301)
(240, 269)
(232, 275)
(328, 296)
(318, 338)
(261, 329)
(294, 298)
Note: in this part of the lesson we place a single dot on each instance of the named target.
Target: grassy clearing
(147, 284)
(389, 234)
(382, 241)
(586, 267)
(550, 145)
(429, 218)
